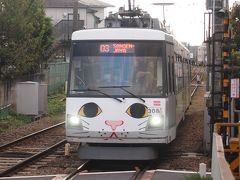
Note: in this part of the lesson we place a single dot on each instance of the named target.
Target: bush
(56, 104)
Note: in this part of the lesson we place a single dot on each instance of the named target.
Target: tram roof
(122, 34)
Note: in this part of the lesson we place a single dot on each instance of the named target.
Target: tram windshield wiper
(123, 88)
(97, 90)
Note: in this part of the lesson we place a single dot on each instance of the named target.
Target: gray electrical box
(31, 98)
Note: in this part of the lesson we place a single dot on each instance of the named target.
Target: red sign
(117, 48)
(156, 103)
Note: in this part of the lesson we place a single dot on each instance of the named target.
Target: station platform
(158, 174)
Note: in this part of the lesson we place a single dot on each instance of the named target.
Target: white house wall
(89, 23)
(100, 14)
(57, 14)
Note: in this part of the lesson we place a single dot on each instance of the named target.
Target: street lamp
(163, 5)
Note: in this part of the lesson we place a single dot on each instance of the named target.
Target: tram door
(170, 84)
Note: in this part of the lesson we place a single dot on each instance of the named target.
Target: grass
(196, 177)
(13, 120)
(56, 104)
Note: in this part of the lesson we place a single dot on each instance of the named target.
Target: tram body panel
(124, 128)
(127, 87)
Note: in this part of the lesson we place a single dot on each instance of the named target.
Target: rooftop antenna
(163, 5)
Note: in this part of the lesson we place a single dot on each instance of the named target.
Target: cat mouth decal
(114, 125)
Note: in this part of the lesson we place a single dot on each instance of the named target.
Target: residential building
(202, 54)
(89, 14)
(193, 53)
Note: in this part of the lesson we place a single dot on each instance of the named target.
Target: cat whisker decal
(142, 128)
(144, 133)
(85, 122)
(81, 132)
(85, 127)
(142, 123)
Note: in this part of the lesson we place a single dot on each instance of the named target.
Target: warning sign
(235, 88)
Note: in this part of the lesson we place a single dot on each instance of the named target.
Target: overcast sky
(185, 17)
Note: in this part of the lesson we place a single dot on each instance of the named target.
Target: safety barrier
(221, 169)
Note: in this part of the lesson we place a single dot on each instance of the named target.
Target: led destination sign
(121, 48)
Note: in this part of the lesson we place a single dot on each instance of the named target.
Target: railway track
(137, 172)
(21, 152)
(82, 167)
(141, 174)
(194, 83)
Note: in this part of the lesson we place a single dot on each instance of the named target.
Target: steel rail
(30, 135)
(31, 159)
(194, 90)
(197, 85)
(138, 174)
(74, 173)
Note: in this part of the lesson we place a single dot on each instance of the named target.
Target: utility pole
(129, 5)
(163, 5)
(75, 15)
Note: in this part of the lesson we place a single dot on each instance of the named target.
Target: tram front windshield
(110, 66)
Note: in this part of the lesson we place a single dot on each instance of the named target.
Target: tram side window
(169, 75)
(185, 73)
(176, 73)
(189, 72)
(173, 75)
(179, 74)
(159, 74)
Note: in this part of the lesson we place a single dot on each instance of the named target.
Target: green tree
(235, 29)
(235, 23)
(25, 36)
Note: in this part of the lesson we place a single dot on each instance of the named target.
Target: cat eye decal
(137, 110)
(90, 110)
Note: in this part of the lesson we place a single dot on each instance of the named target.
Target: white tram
(128, 89)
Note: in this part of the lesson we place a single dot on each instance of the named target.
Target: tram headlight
(156, 121)
(74, 121)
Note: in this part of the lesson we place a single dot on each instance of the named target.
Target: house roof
(70, 3)
(95, 3)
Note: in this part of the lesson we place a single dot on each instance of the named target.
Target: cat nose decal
(114, 124)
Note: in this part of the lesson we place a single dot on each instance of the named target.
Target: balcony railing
(64, 29)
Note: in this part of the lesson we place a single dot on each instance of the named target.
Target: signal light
(225, 24)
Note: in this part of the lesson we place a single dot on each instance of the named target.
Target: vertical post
(164, 21)
(75, 15)
(208, 40)
(65, 34)
(129, 5)
(213, 20)
(226, 79)
(202, 170)
(213, 84)
(163, 4)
